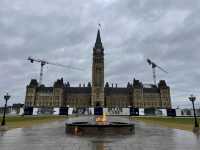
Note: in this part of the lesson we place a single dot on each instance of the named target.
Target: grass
(171, 122)
(28, 121)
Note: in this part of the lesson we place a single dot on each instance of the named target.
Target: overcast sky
(63, 31)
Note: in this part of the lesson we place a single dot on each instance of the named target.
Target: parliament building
(135, 94)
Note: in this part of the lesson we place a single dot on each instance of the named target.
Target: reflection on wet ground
(52, 136)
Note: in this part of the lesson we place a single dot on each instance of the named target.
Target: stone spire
(98, 43)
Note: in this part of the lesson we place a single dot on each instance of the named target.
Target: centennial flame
(102, 118)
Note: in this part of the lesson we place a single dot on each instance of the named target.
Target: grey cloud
(133, 30)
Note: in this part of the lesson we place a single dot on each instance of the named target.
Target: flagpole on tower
(99, 26)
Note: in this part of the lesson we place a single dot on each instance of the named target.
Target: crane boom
(44, 62)
(162, 69)
(66, 66)
(154, 65)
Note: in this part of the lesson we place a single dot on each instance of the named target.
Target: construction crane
(154, 66)
(43, 62)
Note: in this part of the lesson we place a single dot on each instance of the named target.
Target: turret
(31, 90)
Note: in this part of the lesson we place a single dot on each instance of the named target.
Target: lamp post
(6, 97)
(192, 99)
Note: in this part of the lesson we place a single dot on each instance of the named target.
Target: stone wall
(62, 95)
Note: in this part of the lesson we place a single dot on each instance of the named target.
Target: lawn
(171, 122)
(28, 121)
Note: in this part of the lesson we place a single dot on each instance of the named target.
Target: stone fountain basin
(111, 126)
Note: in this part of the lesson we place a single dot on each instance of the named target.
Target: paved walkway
(52, 136)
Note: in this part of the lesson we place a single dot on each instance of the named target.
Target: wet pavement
(52, 136)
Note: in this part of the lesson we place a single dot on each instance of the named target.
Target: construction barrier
(171, 112)
(28, 110)
(70, 111)
(63, 111)
(91, 111)
(98, 111)
(56, 111)
(134, 111)
(141, 111)
(35, 111)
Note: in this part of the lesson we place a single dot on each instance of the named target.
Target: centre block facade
(98, 93)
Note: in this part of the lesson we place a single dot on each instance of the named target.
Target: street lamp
(6, 97)
(192, 98)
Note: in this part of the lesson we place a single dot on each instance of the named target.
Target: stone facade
(135, 94)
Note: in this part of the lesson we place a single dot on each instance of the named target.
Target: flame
(102, 118)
